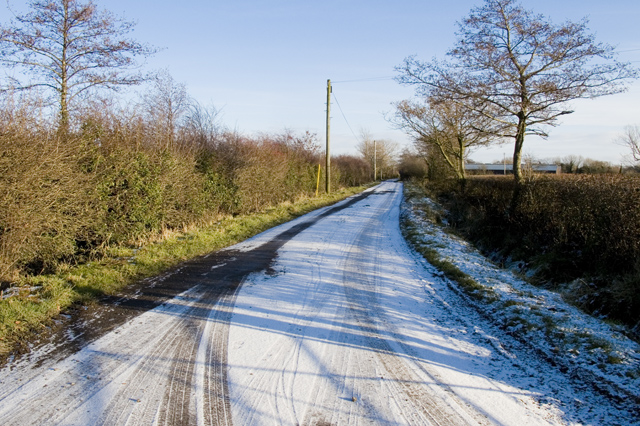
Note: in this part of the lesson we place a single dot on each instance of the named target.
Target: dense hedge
(64, 198)
(583, 230)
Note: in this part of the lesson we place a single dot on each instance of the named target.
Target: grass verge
(413, 233)
(551, 329)
(36, 300)
(452, 272)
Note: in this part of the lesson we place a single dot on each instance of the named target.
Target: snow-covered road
(341, 323)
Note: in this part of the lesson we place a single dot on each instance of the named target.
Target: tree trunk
(63, 125)
(462, 173)
(517, 151)
(63, 128)
(517, 163)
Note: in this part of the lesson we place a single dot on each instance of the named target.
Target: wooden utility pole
(328, 159)
(375, 160)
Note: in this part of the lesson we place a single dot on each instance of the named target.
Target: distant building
(501, 169)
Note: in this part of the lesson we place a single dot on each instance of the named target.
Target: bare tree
(631, 139)
(380, 154)
(571, 163)
(449, 128)
(166, 104)
(519, 69)
(202, 128)
(591, 166)
(69, 47)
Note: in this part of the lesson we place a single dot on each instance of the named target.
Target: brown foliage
(353, 171)
(41, 216)
(65, 198)
(567, 227)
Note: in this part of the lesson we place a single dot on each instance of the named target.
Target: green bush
(46, 202)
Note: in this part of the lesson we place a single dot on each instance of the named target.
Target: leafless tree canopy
(444, 128)
(631, 139)
(519, 69)
(380, 154)
(166, 104)
(202, 127)
(572, 163)
(69, 47)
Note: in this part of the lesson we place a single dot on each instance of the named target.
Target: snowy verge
(578, 343)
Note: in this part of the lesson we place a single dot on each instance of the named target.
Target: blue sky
(265, 63)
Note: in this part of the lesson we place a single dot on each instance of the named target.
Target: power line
(344, 116)
(365, 79)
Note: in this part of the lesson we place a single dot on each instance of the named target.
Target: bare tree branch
(70, 47)
(631, 139)
(450, 128)
(519, 69)
(381, 154)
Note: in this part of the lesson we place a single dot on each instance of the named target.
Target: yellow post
(318, 182)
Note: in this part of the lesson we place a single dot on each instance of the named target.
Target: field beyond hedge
(578, 234)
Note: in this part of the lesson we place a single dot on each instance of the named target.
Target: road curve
(327, 320)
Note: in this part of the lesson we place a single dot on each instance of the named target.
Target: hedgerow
(114, 179)
(579, 234)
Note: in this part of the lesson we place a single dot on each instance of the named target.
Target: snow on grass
(580, 344)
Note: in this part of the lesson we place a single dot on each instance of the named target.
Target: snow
(311, 343)
(568, 335)
(349, 325)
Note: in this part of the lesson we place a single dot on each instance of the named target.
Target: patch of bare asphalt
(77, 327)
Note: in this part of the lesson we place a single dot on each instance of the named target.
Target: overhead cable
(365, 79)
(344, 116)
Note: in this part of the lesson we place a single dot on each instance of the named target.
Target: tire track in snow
(98, 377)
(326, 348)
(276, 358)
(212, 395)
(166, 366)
(419, 403)
(336, 376)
